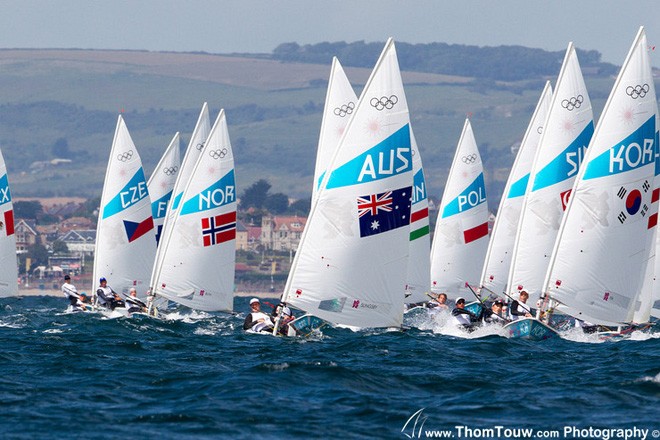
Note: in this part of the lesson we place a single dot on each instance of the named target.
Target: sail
(193, 151)
(606, 236)
(8, 267)
(125, 239)
(419, 264)
(199, 246)
(340, 102)
(352, 261)
(567, 131)
(161, 183)
(460, 238)
(502, 237)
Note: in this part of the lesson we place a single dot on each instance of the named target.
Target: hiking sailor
(282, 316)
(133, 303)
(519, 307)
(70, 291)
(107, 297)
(463, 318)
(257, 320)
(494, 315)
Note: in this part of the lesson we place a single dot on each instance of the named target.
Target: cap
(286, 311)
(254, 300)
(499, 302)
(102, 279)
(67, 277)
(459, 299)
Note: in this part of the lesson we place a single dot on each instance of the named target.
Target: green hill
(64, 104)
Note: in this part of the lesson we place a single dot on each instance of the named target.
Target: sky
(258, 26)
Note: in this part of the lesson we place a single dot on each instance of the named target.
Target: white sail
(419, 264)
(567, 131)
(502, 237)
(8, 267)
(340, 102)
(193, 151)
(460, 238)
(125, 239)
(352, 261)
(606, 238)
(199, 246)
(161, 183)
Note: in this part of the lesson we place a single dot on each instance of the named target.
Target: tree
(38, 254)
(61, 148)
(27, 209)
(255, 195)
(60, 247)
(300, 207)
(277, 203)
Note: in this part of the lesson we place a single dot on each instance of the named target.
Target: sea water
(198, 375)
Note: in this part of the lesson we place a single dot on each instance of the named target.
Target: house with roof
(281, 233)
(81, 242)
(26, 235)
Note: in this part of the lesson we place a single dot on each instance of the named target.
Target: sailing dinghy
(8, 266)
(161, 184)
(352, 260)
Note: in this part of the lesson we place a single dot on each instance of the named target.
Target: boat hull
(529, 328)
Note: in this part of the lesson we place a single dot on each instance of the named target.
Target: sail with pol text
(125, 238)
(198, 249)
(460, 239)
(607, 235)
(500, 249)
(8, 267)
(351, 264)
(566, 134)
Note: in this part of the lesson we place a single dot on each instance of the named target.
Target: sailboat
(500, 248)
(125, 239)
(460, 239)
(607, 235)
(198, 249)
(351, 265)
(8, 266)
(161, 183)
(566, 134)
(340, 103)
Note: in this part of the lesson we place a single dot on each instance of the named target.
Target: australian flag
(384, 211)
(219, 229)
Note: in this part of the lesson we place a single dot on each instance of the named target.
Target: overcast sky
(225, 26)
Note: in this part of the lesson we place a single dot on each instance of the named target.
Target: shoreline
(54, 292)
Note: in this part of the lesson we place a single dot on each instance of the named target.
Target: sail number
(631, 156)
(471, 199)
(133, 194)
(4, 195)
(216, 197)
(386, 165)
(574, 159)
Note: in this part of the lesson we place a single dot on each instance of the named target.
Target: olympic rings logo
(200, 146)
(345, 109)
(469, 159)
(539, 129)
(384, 102)
(637, 91)
(126, 156)
(218, 154)
(572, 103)
(170, 170)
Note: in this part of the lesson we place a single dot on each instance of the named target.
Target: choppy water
(197, 375)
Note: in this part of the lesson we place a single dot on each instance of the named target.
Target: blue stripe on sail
(657, 152)
(633, 152)
(5, 195)
(389, 158)
(159, 207)
(318, 183)
(419, 187)
(473, 195)
(177, 200)
(565, 165)
(134, 191)
(519, 187)
(218, 194)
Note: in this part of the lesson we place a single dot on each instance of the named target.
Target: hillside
(64, 104)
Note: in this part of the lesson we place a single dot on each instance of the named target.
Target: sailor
(107, 297)
(463, 318)
(70, 291)
(283, 313)
(519, 307)
(439, 302)
(495, 315)
(257, 320)
(133, 303)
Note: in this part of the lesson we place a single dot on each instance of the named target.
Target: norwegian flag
(219, 229)
(384, 211)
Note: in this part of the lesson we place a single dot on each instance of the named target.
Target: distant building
(26, 235)
(81, 242)
(281, 233)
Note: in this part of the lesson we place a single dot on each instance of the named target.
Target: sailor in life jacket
(463, 318)
(257, 321)
(71, 293)
(519, 307)
(108, 297)
(282, 316)
(133, 303)
(495, 315)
